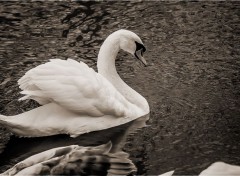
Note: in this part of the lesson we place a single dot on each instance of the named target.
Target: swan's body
(75, 98)
(75, 160)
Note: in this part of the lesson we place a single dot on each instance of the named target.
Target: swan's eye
(140, 46)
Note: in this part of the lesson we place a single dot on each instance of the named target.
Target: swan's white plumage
(76, 87)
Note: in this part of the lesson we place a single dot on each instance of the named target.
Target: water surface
(192, 83)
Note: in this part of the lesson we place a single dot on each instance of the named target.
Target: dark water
(192, 83)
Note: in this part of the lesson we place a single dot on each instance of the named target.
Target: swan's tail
(3, 120)
(12, 124)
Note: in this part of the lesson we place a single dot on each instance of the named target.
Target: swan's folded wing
(74, 86)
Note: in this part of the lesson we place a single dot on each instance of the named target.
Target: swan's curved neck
(106, 67)
(106, 57)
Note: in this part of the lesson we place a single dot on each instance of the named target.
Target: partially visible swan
(170, 173)
(75, 160)
(75, 98)
(216, 169)
(221, 168)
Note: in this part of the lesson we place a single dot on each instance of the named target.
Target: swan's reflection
(19, 149)
(75, 160)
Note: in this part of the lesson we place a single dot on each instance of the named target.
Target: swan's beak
(139, 56)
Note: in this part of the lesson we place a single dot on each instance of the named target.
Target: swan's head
(131, 43)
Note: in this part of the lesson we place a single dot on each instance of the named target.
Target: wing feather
(74, 86)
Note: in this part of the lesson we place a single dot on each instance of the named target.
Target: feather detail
(76, 87)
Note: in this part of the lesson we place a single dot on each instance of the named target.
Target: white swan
(75, 98)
